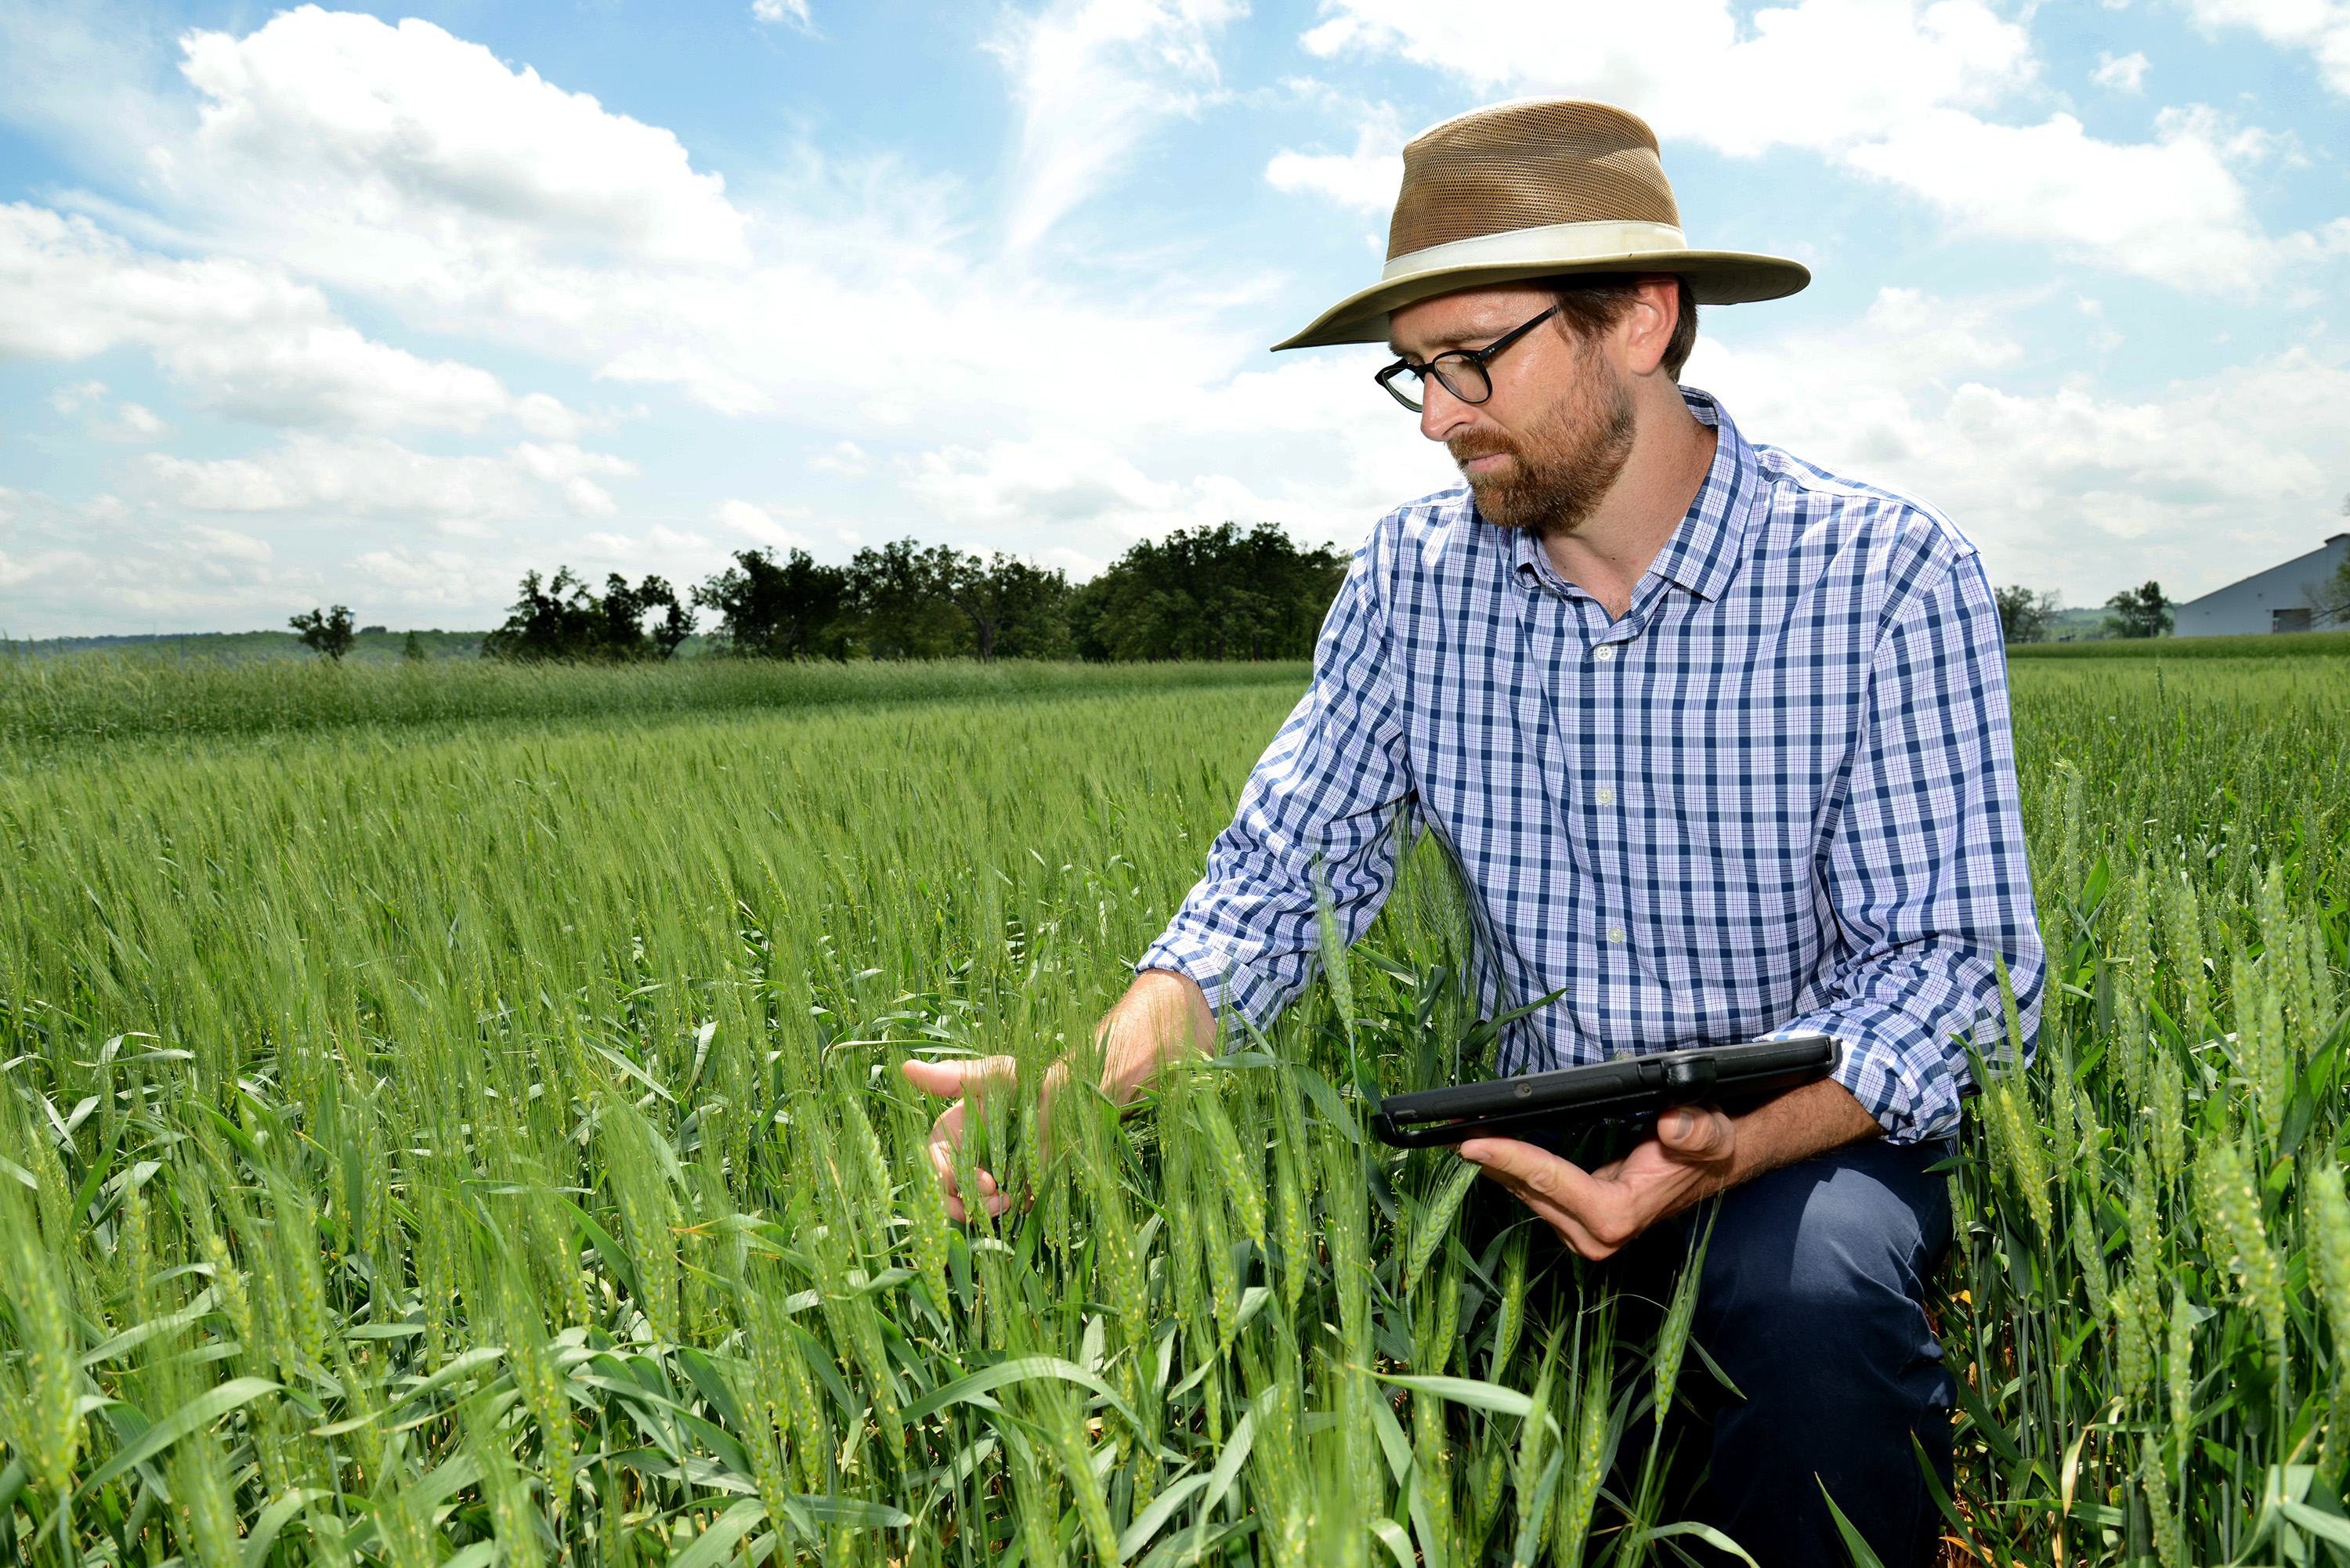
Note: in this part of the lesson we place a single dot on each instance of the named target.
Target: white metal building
(2274, 600)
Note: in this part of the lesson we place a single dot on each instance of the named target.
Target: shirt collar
(1703, 552)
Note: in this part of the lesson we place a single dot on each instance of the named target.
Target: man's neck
(1672, 451)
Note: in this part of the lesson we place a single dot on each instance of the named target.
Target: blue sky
(312, 307)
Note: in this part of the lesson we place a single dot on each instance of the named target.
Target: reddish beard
(1563, 467)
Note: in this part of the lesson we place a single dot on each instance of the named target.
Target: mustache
(1467, 448)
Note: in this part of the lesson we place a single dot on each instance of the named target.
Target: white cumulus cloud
(756, 524)
(2320, 26)
(368, 477)
(360, 120)
(1907, 93)
(2052, 483)
(2171, 210)
(1821, 73)
(228, 544)
(242, 339)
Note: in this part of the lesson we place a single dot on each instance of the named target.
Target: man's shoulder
(1439, 533)
(1440, 512)
(1806, 499)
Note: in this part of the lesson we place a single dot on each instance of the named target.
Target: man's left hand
(1690, 1157)
(1695, 1152)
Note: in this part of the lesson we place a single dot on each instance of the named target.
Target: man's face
(1544, 450)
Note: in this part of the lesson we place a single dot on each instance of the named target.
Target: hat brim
(1716, 277)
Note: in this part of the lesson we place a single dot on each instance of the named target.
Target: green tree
(911, 602)
(563, 620)
(897, 596)
(412, 650)
(2329, 598)
(793, 608)
(625, 609)
(1014, 607)
(328, 633)
(1209, 593)
(2141, 611)
(2023, 615)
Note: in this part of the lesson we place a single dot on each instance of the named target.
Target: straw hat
(1534, 189)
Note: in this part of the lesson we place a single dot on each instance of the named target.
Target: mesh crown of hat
(1525, 165)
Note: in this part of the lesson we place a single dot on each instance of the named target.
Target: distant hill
(2246, 645)
(2078, 625)
(373, 645)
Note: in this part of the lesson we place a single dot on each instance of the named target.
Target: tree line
(2026, 615)
(1209, 593)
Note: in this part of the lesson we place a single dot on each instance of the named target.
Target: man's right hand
(1162, 1014)
(965, 1081)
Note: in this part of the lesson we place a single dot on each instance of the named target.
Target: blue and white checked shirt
(1778, 796)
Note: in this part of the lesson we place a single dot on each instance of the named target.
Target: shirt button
(1605, 796)
(1614, 933)
(1604, 652)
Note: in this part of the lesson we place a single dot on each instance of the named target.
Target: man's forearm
(1162, 1016)
(1811, 1119)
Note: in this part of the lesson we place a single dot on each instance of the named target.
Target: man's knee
(1814, 1289)
(1834, 1236)
(1812, 1303)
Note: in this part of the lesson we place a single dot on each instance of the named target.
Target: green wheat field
(453, 1120)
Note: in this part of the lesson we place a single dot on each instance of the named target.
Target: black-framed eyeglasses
(1460, 372)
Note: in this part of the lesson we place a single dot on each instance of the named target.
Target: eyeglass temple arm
(1481, 356)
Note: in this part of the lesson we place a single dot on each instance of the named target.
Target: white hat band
(1565, 244)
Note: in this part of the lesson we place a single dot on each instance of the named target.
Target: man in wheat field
(1719, 741)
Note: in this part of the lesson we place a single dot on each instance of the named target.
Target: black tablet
(1626, 1088)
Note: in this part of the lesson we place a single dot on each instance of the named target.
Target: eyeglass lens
(1463, 374)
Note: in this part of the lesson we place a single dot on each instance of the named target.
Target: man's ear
(1648, 323)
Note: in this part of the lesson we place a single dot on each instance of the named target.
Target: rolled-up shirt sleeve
(1330, 803)
(1925, 871)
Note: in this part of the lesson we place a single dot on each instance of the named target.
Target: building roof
(2281, 570)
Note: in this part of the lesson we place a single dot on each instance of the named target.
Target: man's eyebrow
(1450, 340)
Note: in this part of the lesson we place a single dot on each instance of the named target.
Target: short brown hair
(1593, 302)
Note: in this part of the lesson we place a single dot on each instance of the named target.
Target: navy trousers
(1812, 1303)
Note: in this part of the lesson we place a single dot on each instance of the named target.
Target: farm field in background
(2295, 646)
(457, 1123)
(46, 705)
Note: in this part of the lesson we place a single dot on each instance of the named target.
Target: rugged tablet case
(1627, 1088)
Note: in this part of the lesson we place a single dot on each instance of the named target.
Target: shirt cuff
(1914, 1101)
(1234, 990)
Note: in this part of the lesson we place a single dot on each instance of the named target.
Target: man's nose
(1441, 415)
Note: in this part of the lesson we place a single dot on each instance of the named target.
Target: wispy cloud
(794, 12)
(1365, 180)
(2123, 73)
(1092, 78)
